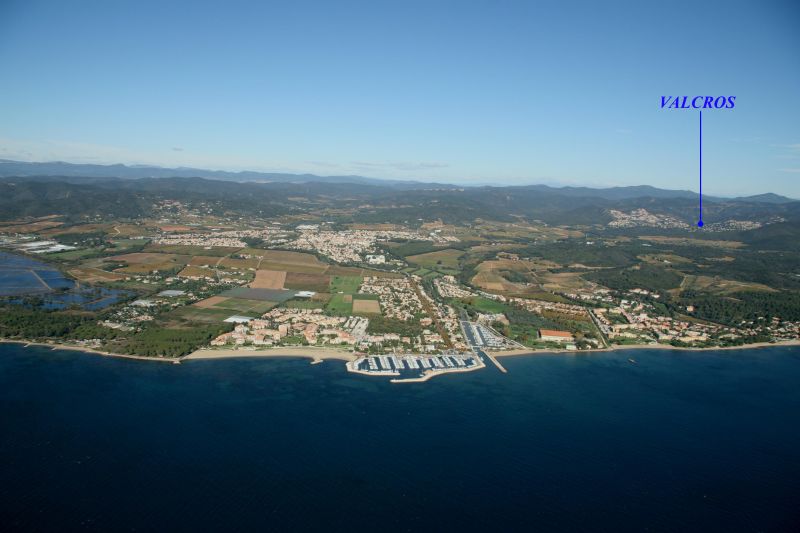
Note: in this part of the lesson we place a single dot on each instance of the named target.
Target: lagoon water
(679, 441)
(22, 276)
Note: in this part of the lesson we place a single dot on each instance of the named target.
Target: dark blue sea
(679, 441)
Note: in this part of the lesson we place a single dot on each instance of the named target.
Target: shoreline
(321, 354)
(623, 347)
(317, 355)
(85, 349)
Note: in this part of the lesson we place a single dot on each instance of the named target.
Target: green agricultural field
(422, 272)
(447, 258)
(242, 276)
(303, 304)
(246, 307)
(340, 304)
(360, 296)
(73, 255)
(192, 313)
(122, 245)
(485, 305)
(411, 248)
(216, 251)
(345, 284)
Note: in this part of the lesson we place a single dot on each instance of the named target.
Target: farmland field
(288, 260)
(564, 282)
(307, 282)
(345, 284)
(218, 251)
(238, 263)
(144, 262)
(147, 257)
(33, 227)
(340, 304)
(92, 275)
(210, 302)
(303, 304)
(204, 260)
(245, 307)
(692, 242)
(269, 279)
(337, 270)
(177, 228)
(447, 258)
(196, 272)
(208, 315)
(715, 285)
(485, 305)
(73, 255)
(366, 307)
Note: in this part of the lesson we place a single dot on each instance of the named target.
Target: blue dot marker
(700, 220)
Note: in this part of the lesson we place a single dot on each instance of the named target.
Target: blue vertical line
(700, 220)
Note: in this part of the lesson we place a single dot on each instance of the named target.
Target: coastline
(321, 354)
(317, 355)
(84, 349)
(623, 347)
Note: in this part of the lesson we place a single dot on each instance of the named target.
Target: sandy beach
(317, 355)
(614, 348)
(76, 348)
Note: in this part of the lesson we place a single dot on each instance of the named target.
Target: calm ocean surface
(681, 441)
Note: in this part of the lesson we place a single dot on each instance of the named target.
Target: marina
(413, 367)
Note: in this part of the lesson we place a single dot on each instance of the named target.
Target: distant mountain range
(10, 168)
(62, 169)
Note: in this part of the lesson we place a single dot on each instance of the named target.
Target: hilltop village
(401, 300)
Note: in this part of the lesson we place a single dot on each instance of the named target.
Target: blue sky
(476, 92)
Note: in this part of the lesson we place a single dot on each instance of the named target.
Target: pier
(478, 337)
(413, 367)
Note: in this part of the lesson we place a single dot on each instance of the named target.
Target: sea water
(675, 441)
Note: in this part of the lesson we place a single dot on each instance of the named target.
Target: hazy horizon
(421, 180)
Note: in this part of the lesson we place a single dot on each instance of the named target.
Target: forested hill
(84, 172)
(82, 197)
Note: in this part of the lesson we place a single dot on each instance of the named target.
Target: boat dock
(413, 367)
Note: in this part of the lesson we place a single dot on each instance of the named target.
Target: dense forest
(154, 341)
(20, 322)
(743, 306)
(37, 324)
(651, 277)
